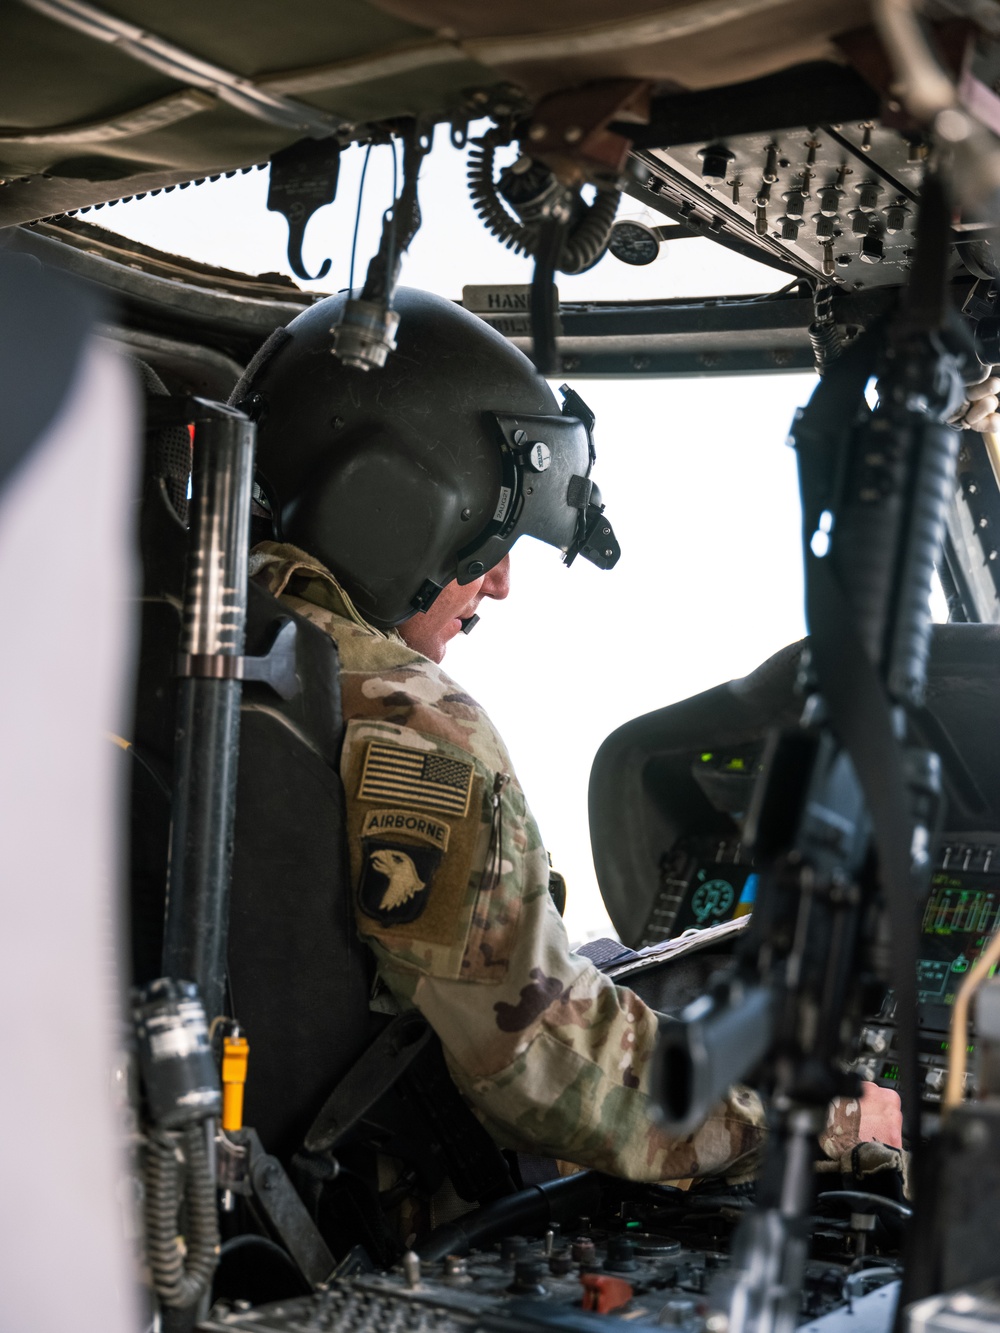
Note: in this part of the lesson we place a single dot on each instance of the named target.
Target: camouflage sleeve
(843, 1123)
(452, 894)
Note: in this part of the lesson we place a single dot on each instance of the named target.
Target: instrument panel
(961, 916)
(709, 880)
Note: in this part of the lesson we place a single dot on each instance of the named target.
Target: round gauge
(647, 1243)
(712, 900)
(634, 243)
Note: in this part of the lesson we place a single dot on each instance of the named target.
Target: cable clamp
(275, 668)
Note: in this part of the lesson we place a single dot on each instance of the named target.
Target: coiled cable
(182, 1265)
(587, 237)
(824, 335)
(493, 214)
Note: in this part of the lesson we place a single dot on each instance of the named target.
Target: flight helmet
(426, 470)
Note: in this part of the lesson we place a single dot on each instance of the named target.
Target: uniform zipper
(494, 856)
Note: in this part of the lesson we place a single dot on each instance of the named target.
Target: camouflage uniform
(452, 894)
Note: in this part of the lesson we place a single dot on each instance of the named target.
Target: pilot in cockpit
(395, 498)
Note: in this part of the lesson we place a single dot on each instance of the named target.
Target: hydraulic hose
(181, 1276)
(529, 1210)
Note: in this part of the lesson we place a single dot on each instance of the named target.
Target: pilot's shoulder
(386, 681)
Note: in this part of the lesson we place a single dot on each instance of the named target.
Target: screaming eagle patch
(396, 880)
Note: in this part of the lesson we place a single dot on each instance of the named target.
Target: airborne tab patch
(403, 776)
(409, 822)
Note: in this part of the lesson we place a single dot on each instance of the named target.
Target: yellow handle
(235, 1054)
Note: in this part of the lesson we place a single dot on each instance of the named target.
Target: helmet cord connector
(366, 332)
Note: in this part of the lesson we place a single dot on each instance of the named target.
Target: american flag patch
(410, 777)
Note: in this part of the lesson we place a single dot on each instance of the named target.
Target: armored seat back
(299, 979)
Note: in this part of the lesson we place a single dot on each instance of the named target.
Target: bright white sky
(697, 479)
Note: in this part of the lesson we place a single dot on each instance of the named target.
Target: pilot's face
(429, 631)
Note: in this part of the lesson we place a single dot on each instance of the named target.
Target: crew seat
(299, 978)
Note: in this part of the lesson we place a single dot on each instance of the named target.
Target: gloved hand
(875, 1116)
(979, 411)
(881, 1113)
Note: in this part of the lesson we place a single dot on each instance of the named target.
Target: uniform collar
(282, 568)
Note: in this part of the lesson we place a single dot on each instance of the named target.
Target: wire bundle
(177, 1167)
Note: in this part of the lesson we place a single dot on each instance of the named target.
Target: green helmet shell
(404, 478)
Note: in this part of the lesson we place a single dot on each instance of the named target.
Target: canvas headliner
(82, 121)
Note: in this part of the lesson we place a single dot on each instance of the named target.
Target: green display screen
(957, 924)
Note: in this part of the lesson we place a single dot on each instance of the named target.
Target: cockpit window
(226, 222)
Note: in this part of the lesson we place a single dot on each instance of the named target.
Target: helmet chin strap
(469, 624)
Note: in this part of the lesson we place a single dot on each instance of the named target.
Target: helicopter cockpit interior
(802, 865)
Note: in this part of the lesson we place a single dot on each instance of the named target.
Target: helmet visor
(545, 492)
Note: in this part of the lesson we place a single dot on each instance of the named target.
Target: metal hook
(297, 223)
(303, 179)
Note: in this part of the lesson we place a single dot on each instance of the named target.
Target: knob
(935, 1079)
(829, 201)
(456, 1270)
(621, 1255)
(583, 1251)
(875, 1040)
(868, 193)
(872, 249)
(790, 228)
(561, 1263)
(715, 160)
(676, 1312)
(895, 217)
(511, 1248)
(795, 203)
(528, 1275)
